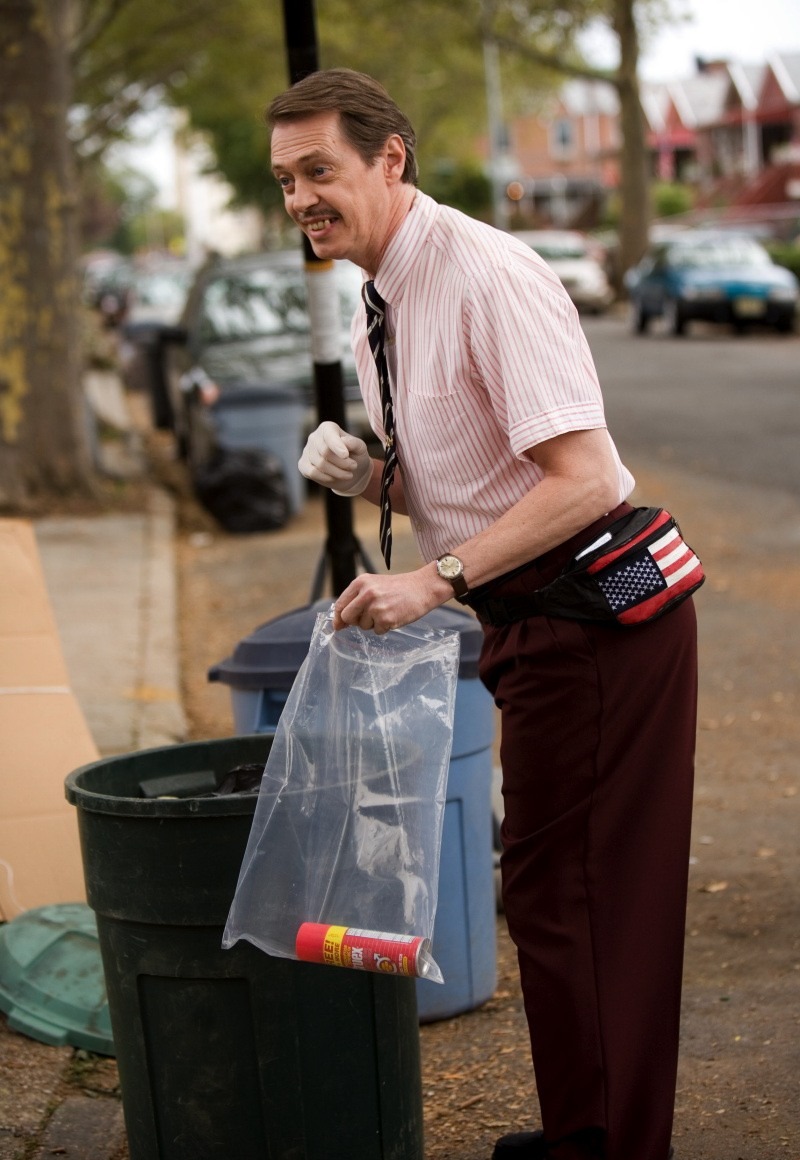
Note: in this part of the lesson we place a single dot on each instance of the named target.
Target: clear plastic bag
(348, 825)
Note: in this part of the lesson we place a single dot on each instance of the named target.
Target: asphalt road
(715, 404)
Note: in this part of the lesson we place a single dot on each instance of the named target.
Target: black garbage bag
(244, 490)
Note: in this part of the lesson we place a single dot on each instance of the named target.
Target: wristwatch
(450, 568)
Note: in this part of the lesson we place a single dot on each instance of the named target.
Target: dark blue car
(711, 277)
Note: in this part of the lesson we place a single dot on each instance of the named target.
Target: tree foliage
(125, 51)
(223, 63)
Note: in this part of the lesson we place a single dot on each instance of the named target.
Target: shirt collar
(405, 248)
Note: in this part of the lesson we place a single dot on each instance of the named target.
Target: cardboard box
(43, 737)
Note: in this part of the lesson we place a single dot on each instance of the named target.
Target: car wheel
(674, 322)
(640, 319)
(784, 325)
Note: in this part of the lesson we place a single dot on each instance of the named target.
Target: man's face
(342, 204)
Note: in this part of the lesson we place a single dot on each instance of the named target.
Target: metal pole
(342, 549)
(498, 143)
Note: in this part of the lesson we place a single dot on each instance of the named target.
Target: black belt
(499, 611)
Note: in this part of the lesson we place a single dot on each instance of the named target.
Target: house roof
(655, 100)
(582, 98)
(746, 80)
(786, 69)
(700, 99)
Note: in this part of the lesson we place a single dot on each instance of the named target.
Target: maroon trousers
(597, 750)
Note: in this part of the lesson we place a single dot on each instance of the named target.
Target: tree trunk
(634, 176)
(44, 444)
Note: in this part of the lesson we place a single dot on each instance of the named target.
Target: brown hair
(367, 113)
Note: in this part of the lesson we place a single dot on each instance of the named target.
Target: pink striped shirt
(487, 358)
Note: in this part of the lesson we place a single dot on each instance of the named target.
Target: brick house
(567, 152)
(732, 130)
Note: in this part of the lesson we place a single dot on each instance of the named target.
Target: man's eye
(320, 170)
(284, 182)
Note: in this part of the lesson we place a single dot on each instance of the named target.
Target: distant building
(732, 131)
(567, 153)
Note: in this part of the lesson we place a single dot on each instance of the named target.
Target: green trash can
(229, 1054)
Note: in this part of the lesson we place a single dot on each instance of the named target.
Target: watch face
(450, 567)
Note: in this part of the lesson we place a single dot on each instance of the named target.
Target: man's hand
(336, 460)
(384, 602)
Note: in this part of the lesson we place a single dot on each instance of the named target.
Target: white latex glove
(336, 460)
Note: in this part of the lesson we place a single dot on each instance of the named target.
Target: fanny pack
(639, 568)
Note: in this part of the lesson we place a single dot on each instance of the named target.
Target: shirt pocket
(452, 438)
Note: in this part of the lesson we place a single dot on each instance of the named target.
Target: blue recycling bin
(260, 672)
(268, 420)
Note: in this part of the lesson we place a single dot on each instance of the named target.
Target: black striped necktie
(376, 333)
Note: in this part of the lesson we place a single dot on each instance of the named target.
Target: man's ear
(394, 157)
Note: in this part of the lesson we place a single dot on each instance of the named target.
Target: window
(562, 138)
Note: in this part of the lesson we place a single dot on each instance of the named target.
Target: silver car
(570, 255)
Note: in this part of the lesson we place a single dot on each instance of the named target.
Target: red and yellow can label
(363, 950)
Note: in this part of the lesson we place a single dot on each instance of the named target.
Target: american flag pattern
(648, 574)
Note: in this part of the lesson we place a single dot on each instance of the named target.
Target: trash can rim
(94, 801)
(268, 658)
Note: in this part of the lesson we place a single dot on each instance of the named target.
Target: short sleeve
(531, 354)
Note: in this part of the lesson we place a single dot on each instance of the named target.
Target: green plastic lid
(51, 978)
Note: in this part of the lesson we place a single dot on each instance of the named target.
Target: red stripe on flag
(677, 564)
(610, 557)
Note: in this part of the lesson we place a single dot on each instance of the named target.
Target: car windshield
(165, 288)
(267, 302)
(717, 255)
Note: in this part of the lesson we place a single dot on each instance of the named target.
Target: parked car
(578, 266)
(156, 298)
(711, 276)
(238, 373)
(158, 291)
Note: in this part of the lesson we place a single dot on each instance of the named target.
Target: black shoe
(521, 1146)
(529, 1146)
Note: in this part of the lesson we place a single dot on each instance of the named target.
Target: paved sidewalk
(111, 581)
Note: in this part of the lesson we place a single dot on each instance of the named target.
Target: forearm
(579, 485)
(556, 509)
(372, 492)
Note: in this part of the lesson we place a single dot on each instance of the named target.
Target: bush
(786, 254)
(464, 186)
(670, 198)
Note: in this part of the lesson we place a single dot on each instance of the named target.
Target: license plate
(749, 307)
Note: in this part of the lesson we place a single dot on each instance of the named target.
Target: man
(497, 450)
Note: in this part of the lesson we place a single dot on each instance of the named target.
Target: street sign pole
(342, 549)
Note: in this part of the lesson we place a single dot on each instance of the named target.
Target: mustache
(320, 211)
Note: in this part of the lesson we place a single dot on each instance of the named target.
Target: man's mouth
(317, 226)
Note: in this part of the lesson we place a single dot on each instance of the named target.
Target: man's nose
(304, 195)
